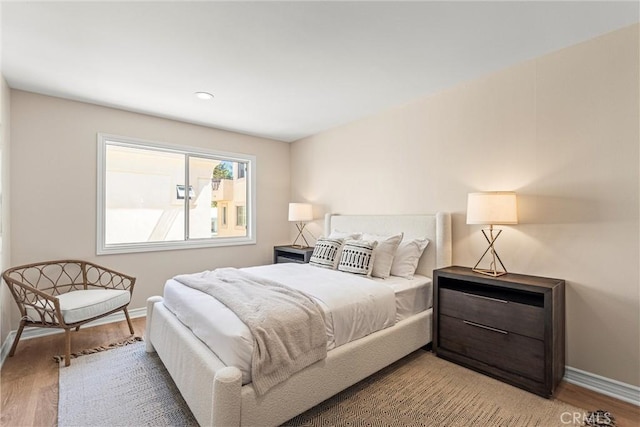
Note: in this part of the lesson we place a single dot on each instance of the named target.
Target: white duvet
(354, 307)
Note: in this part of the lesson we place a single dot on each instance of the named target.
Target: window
(180, 191)
(141, 196)
(242, 170)
(223, 222)
(241, 216)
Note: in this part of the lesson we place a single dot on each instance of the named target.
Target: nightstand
(509, 327)
(291, 254)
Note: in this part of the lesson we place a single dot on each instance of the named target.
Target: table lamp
(300, 213)
(492, 208)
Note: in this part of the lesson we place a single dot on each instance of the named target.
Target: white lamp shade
(300, 212)
(496, 207)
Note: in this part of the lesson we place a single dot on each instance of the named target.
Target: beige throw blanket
(287, 325)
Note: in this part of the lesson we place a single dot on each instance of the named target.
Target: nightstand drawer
(495, 311)
(496, 347)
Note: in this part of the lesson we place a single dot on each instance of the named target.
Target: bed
(215, 392)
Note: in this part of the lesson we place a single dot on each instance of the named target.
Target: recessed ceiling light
(204, 95)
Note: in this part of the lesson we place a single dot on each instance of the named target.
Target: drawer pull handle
(483, 297)
(477, 325)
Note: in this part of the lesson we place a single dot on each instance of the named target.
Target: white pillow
(407, 257)
(357, 257)
(337, 234)
(384, 252)
(326, 253)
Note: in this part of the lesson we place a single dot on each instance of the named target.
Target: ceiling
(281, 70)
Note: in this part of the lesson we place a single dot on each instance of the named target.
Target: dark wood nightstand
(509, 327)
(291, 254)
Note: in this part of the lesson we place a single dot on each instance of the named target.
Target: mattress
(230, 339)
(412, 295)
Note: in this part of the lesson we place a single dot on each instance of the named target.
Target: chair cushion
(77, 306)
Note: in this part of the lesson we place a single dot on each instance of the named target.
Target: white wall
(53, 183)
(563, 132)
(6, 301)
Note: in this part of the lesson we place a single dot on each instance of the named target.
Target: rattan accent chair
(67, 294)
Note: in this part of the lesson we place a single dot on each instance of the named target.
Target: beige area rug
(128, 387)
(424, 390)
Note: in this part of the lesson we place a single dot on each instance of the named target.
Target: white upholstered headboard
(437, 228)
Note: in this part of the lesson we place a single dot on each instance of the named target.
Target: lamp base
(492, 271)
(300, 226)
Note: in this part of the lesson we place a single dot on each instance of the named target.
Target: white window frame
(102, 248)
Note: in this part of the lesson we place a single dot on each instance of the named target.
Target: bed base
(216, 396)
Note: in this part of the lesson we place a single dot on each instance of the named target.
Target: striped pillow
(357, 257)
(325, 253)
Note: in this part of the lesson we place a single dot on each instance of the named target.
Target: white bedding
(354, 307)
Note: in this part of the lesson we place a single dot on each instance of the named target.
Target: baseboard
(612, 388)
(30, 333)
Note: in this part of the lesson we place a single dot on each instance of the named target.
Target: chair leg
(126, 314)
(15, 341)
(67, 347)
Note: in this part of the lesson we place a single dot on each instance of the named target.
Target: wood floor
(29, 380)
